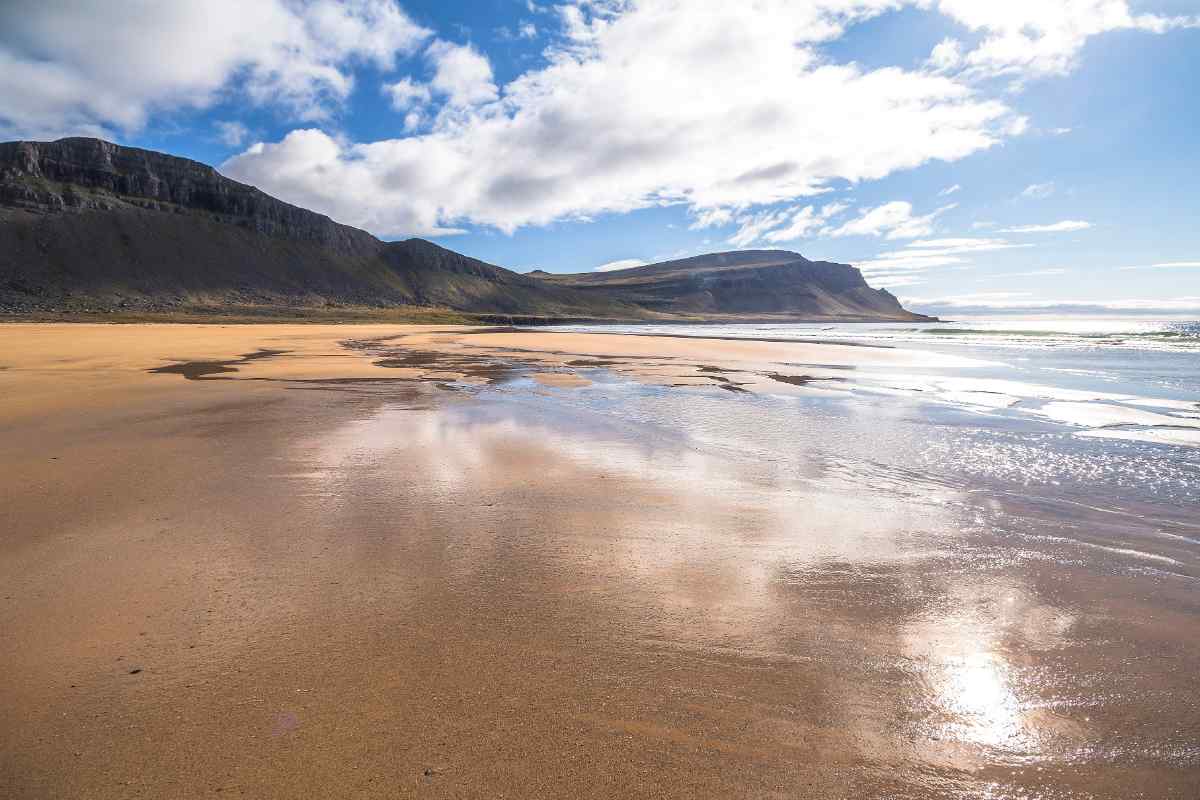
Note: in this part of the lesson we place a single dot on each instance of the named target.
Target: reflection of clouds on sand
(748, 560)
(673, 516)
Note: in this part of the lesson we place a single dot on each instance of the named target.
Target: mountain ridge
(744, 282)
(90, 226)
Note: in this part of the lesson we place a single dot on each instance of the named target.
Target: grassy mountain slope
(742, 284)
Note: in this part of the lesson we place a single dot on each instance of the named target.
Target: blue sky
(966, 154)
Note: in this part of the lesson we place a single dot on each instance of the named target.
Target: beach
(387, 560)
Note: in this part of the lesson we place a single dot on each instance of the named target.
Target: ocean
(1076, 416)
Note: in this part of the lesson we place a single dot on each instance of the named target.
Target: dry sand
(311, 574)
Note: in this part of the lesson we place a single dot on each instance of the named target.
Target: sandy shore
(304, 561)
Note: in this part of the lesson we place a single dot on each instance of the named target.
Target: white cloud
(1065, 226)
(805, 222)
(896, 281)
(590, 133)
(962, 244)
(527, 30)
(406, 94)
(294, 163)
(946, 55)
(84, 67)
(949, 190)
(786, 225)
(894, 220)
(461, 73)
(755, 226)
(599, 128)
(925, 254)
(1038, 191)
(1033, 38)
(232, 133)
(711, 218)
(1167, 265)
(624, 263)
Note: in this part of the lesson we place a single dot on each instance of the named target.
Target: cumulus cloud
(406, 94)
(624, 263)
(603, 125)
(601, 128)
(893, 220)
(1066, 226)
(84, 67)
(461, 73)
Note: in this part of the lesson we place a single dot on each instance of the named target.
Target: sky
(970, 156)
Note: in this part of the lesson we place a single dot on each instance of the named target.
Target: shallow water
(1139, 333)
(928, 601)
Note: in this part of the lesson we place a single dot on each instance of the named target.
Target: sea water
(1088, 415)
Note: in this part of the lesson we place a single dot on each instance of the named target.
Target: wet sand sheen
(318, 575)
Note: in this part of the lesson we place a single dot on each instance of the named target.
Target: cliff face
(93, 226)
(745, 283)
(89, 174)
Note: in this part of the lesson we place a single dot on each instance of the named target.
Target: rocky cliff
(80, 174)
(87, 225)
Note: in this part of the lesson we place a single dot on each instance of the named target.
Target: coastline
(379, 560)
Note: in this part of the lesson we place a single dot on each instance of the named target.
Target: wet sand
(381, 561)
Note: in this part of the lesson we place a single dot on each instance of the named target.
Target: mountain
(90, 226)
(87, 225)
(762, 284)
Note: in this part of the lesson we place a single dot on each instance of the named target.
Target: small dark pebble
(135, 670)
